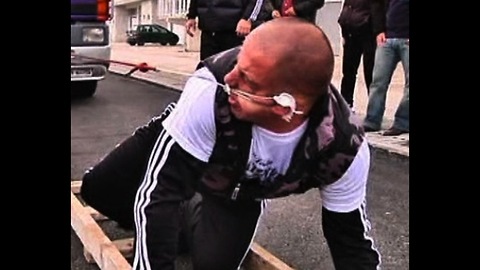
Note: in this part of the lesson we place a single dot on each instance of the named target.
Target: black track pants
(214, 42)
(218, 233)
(347, 237)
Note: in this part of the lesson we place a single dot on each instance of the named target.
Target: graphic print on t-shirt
(263, 170)
(270, 154)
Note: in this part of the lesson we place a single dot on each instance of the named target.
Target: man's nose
(230, 78)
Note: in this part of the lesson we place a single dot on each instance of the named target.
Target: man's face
(252, 75)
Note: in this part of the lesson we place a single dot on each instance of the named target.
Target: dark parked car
(151, 33)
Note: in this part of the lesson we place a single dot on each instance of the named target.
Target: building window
(173, 8)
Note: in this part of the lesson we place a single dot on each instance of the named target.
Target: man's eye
(252, 85)
(246, 80)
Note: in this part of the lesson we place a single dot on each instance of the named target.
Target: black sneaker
(369, 129)
(394, 132)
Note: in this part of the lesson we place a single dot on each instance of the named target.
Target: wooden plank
(257, 259)
(124, 246)
(260, 259)
(75, 185)
(105, 253)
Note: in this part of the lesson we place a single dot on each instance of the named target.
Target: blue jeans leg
(386, 60)
(402, 115)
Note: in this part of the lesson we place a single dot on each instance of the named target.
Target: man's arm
(252, 10)
(265, 13)
(250, 15)
(192, 10)
(175, 167)
(191, 24)
(344, 220)
(378, 12)
(110, 185)
(171, 178)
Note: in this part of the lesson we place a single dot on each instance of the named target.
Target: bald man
(253, 123)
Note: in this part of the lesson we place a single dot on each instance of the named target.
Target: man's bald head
(303, 54)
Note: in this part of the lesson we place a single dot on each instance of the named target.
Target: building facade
(129, 13)
(172, 13)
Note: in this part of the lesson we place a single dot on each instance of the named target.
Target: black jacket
(306, 9)
(379, 19)
(398, 24)
(355, 16)
(223, 15)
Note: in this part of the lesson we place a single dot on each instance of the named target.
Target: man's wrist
(247, 19)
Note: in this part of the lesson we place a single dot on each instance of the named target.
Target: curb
(397, 145)
(170, 84)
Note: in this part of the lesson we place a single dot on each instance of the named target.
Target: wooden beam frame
(111, 255)
(94, 240)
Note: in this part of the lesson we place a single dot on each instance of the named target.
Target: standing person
(205, 167)
(391, 25)
(305, 9)
(224, 23)
(358, 40)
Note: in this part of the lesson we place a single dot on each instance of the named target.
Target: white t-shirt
(192, 125)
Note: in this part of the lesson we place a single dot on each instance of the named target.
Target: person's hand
(381, 39)
(276, 14)
(290, 12)
(244, 27)
(191, 26)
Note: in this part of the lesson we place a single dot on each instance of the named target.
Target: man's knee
(111, 198)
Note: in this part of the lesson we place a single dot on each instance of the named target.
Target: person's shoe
(369, 129)
(393, 131)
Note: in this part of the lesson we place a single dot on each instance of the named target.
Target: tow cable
(142, 67)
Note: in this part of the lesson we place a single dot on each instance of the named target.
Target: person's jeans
(387, 57)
